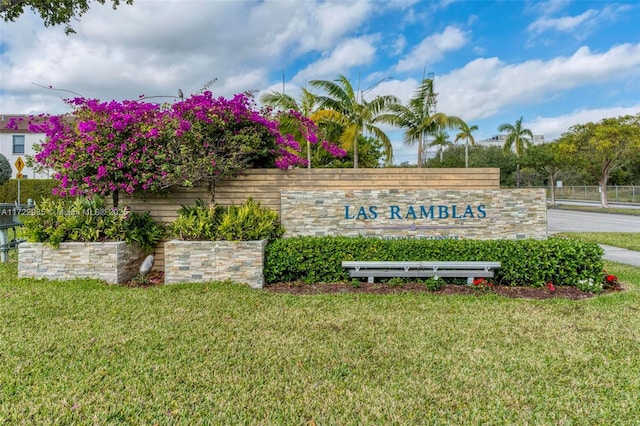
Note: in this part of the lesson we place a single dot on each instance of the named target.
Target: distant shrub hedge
(36, 189)
(524, 262)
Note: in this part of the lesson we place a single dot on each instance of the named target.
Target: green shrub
(35, 189)
(433, 283)
(5, 170)
(88, 220)
(523, 262)
(248, 222)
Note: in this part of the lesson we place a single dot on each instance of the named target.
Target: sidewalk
(616, 254)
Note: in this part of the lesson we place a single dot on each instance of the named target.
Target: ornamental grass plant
(247, 222)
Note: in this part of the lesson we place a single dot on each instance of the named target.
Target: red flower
(479, 281)
(551, 287)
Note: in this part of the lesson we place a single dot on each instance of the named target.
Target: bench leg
(370, 280)
(469, 280)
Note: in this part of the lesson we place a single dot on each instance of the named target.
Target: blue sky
(555, 63)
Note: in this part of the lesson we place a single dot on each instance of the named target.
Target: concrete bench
(371, 270)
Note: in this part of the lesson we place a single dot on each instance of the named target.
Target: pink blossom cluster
(130, 146)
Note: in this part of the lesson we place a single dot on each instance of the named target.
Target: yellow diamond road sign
(19, 164)
(18, 175)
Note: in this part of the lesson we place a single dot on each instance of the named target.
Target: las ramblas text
(453, 211)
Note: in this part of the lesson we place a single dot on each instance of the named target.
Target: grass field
(597, 209)
(627, 240)
(83, 352)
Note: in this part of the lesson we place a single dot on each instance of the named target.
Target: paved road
(572, 221)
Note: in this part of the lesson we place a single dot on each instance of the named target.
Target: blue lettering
(362, 214)
(373, 212)
(443, 212)
(482, 213)
(426, 214)
(469, 211)
(453, 212)
(346, 213)
(394, 212)
(411, 212)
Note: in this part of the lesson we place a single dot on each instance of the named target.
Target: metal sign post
(19, 166)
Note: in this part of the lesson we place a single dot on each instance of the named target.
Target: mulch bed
(566, 292)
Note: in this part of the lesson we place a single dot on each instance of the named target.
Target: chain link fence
(620, 194)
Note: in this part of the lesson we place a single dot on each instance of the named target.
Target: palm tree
(356, 116)
(419, 118)
(305, 107)
(466, 134)
(441, 140)
(518, 137)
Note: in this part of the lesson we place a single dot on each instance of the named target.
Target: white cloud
(554, 127)
(485, 87)
(566, 23)
(432, 49)
(547, 7)
(350, 53)
(155, 48)
(327, 22)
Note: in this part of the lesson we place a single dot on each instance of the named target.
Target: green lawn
(83, 352)
(627, 240)
(597, 209)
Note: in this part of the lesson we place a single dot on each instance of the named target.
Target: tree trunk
(355, 152)
(212, 187)
(604, 178)
(518, 175)
(115, 196)
(420, 149)
(604, 202)
(553, 188)
(309, 154)
(466, 154)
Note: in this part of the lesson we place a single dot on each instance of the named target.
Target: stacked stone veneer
(198, 261)
(113, 262)
(495, 213)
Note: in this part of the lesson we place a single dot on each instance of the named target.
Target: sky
(555, 64)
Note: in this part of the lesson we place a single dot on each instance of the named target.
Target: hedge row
(524, 262)
(36, 189)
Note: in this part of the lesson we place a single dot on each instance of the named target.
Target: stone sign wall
(433, 214)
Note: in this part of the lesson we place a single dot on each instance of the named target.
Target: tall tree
(602, 147)
(466, 133)
(419, 118)
(518, 138)
(52, 12)
(441, 140)
(546, 159)
(305, 107)
(344, 106)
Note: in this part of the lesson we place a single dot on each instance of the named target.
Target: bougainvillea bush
(135, 146)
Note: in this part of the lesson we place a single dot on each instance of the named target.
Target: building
(19, 142)
(499, 140)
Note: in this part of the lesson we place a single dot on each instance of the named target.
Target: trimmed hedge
(524, 262)
(36, 189)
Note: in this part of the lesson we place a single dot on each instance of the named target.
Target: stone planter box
(199, 261)
(113, 262)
